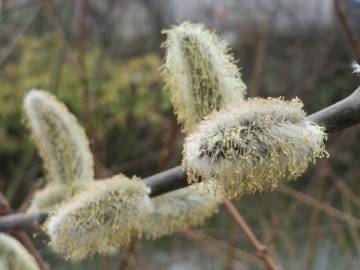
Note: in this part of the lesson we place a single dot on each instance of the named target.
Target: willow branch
(21, 236)
(339, 116)
(261, 249)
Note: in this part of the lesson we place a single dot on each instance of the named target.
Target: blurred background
(102, 59)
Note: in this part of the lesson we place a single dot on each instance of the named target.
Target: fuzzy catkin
(51, 195)
(252, 146)
(99, 219)
(61, 141)
(179, 210)
(14, 256)
(199, 72)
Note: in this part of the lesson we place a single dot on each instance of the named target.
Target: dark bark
(336, 117)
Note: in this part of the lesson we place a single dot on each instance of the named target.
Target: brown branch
(21, 236)
(240, 254)
(340, 12)
(261, 249)
(209, 246)
(336, 117)
(326, 208)
(126, 255)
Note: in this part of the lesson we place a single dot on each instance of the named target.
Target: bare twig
(126, 255)
(240, 254)
(5, 209)
(207, 245)
(338, 116)
(254, 89)
(261, 249)
(326, 208)
(340, 12)
(18, 37)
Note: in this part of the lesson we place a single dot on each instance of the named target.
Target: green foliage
(125, 98)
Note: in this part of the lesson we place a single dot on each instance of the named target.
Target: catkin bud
(51, 195)
(253, 145)
(13, 255)
(179, 210)
(104, 216)
(200, 74)
(61, 141)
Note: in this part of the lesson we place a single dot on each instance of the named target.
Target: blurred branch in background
(341, 14)
(261, 249)
(297, 53)
(5, 209)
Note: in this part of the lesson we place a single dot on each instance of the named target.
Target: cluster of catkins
(89, 216)
(14, 256)
(234, 146)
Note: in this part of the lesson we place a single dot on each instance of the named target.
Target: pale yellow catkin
(252, 146)
(104, 216)
(201, 77)
(63, 147)
(51, 195)
(199, 72)
(14, 256)
(61, 141)
(179, 210)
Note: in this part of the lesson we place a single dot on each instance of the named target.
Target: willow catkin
(14, 256)
(199, 72)
(104, 216)
(252, 146)
(201, 77)
(63, 147)
(51, 195)
(61, 141)
(179, 210)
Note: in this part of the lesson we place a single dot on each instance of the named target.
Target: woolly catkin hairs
(61, 141)
(63, 147)
(104, 216)
(201, 78)
(179, 210)
(253, 145)
(13, 255)
(199, 72)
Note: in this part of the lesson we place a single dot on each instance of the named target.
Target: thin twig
(254, 89)
(206, 245)
(261, 249)
(314, 222)
(242, 255)
(5, 209)
(126, 255)
(326, 208)
(15, 41)
(340, 12)
(338, 116)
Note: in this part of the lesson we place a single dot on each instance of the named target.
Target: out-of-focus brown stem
(340, 12)
(261, 249)
(21, 236)
(209, 243)
(326, 208)
(336, 117)
(126, 255)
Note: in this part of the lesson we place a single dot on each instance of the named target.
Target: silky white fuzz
(200, 73)
(63, 147)
(104, 216)
(51, 195)
(253, 145)
(61, 141)
(179, 210)
(355, 67)
(14, 256)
